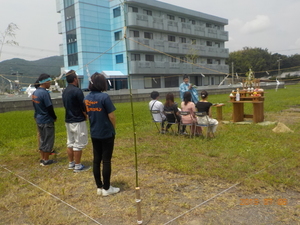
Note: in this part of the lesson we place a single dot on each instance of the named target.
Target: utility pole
(17, 81)
(232, 73)
(279, 59)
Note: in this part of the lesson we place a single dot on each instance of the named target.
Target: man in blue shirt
(75, 118)
(186, 86)
(45, 117)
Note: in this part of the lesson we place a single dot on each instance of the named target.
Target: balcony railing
(165, 25)
(138, 44)
(143, 67)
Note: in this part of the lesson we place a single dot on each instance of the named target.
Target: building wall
(155, 61)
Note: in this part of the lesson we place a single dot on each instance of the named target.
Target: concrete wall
(21, 103)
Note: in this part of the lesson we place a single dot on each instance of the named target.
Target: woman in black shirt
(170, 105)
(204, 106)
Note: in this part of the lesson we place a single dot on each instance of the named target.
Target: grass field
(176, 173)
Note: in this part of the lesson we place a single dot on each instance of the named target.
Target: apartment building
(162, 43)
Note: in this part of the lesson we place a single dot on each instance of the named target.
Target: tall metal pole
(137, 188)
(279, 67)
(232, 73)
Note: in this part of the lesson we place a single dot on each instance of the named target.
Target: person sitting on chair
(154, 104)
(189, 106)
(204, 106)
(170, 105)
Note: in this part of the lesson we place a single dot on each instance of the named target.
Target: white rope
(202, 203)
(283, 159)
(51, 195)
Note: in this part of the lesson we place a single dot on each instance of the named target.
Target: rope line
(208, 200)
(57, 198)
(202, 203)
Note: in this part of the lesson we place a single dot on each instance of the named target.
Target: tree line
(262, 62)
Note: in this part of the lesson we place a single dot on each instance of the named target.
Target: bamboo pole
(137, 188)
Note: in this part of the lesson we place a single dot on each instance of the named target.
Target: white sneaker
(112, 190)
(71, 165)
(99, 191)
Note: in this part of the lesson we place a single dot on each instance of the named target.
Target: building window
(118, 35)
(147, 12)
(71, 36)
(119, 58)
(67, 3)
(73, 59)
(152, 82)
(135, 57)
(133, 9)
(217, 44)
(171, 38)
(173, 59)
(182, 19)
(208, 25)
(209, 61)
(135, 33)
(70, 12)
(193, 41)
(183, 59)
(171, 81)
(208, 43)
(171, 17)
(218, 61)
(149, 58)
(117, 12)
(193, 22)
(182, 39)
(70, 24)
(72, 48)
(148, 35)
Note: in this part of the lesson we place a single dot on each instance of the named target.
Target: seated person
(154, 104)
(170, 105)
(188, 105)
(204, 106)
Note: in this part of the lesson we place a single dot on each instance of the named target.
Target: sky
(266, 24)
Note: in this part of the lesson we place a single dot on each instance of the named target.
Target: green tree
(10, 32)
(260, 61)
(257, 59)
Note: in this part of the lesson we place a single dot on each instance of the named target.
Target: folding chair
(206, 124)
(156, 116)
(173, 122)
(186, 113)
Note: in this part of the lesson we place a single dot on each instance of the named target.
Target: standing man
(75, 119)
(45, 117)
(186, 86)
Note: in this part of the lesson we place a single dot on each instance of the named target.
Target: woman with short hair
(100, 110)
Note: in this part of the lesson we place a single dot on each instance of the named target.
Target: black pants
(103, 150)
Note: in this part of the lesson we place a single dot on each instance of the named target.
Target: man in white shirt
(154, 104)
